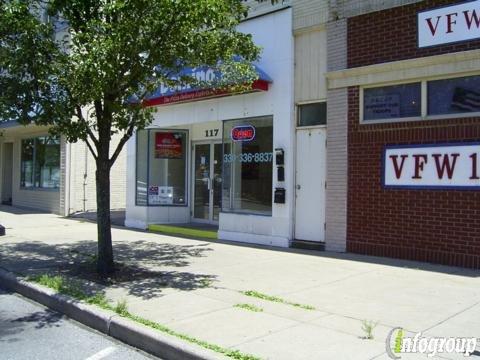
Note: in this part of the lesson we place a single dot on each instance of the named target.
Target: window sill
(237, 212)
(161, 205)
(39, 189)
(389, 121)
(311, 127)
(422, 118)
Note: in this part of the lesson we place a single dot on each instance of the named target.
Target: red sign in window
(243, 133)
(168, 145)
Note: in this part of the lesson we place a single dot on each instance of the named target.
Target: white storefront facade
(225, 160)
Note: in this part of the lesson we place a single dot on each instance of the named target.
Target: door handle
(212, 184)
(298, 187)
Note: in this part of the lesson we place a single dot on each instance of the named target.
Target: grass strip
(184, 231)
(58, 283)
(249, 307)
(234, 354)
(259, 295)
(73, 289)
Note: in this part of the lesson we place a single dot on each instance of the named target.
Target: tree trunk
(105, 263)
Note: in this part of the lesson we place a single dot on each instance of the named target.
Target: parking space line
(102, 354)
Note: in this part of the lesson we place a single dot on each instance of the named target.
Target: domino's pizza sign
(243, 133)
(447, 166)
(208, 80)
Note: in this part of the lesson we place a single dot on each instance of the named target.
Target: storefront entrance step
(308, 245)
(187, 230)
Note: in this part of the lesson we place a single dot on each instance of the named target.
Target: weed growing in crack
(121, 308)
(249, 307)
(367, 328)
(259, 295)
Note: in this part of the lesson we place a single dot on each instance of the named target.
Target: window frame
(423, 98)
(389, 120)
(297, 114)
(187, 161)
(34, 159)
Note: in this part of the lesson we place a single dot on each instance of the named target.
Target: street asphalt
(30, 331)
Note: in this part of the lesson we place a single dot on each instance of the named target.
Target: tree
(86, 68)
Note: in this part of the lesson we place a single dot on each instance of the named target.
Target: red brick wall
(391, 35)
(439, 226)
(436, 225)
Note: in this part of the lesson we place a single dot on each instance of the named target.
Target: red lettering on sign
(474, 167)
(450, 22)
(243, 133)
(398, 169)
(445, 164)
(433, 29)
(471, 18)
(420, 161)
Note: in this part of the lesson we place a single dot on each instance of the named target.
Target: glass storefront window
(142, 168)
(40, 163)
(392, 102)
(47, 163)
(247, 166)
(162, 169)
(26, 167)
(454, 96)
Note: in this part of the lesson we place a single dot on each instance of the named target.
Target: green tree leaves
(80, 79)
(108, 54)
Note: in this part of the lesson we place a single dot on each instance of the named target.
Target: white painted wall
(310, 13)
(82, 178)
(273, 32)
(310, 65)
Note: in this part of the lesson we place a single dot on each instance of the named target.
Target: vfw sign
(449, 24)
(432, 166)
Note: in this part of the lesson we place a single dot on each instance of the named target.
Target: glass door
(207, 182)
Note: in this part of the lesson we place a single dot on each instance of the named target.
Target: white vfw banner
(449, 24)
(432, 166)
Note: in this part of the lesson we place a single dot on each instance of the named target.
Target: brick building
(404, 94)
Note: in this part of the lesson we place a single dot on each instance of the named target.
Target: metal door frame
(212, 144)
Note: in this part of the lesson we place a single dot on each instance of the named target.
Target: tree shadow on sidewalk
(138, 264)
(16, 210)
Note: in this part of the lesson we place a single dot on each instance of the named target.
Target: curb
(149, 340)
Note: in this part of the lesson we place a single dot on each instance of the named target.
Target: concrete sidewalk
(193, 286)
